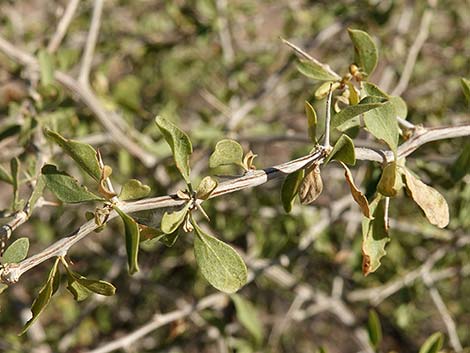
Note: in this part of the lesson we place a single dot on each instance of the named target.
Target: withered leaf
(428, 199)
(357, 195)
(311, 186)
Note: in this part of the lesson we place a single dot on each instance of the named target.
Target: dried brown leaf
(311, 186)
(357, 195)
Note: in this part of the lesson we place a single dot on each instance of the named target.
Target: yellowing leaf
(82, 153)
(133, 189)
(365, 52)
(374, 237)
(311, 186)
(226, 152)
(428, 199)
(322, 91)
(220, 264)
(179, 143)
(357, 195)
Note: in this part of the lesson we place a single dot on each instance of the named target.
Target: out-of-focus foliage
(218, 70)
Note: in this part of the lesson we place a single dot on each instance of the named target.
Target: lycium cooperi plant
(353, 104)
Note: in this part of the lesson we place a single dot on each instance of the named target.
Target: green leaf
(248, 316)
(374, 237)
(373, 90)
(17, 251)
(78, 291)
(312, 122)
(132, 234)
(432, 203)
(179, 143)
(290, 188)
(171, 221)
(349, 116)
(65, 187)
(433, 344)
(133, 189)
(382, 123)
(323, 90)
(5, 176)
(315, 71)
(374, 329)
(226, 152)
(206, 187)
(365, 52)
(461, 166)
(83, 154)
(46, 67)
(465, 88)
(343, 151)
(390, 182)
(44, 296)
(15, 171)
(220, 264)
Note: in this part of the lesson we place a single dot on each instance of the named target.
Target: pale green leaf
(132, 234)
(382, 123)
(133, 189)
(249, 317)
(401, 109)
(461, 166)
(365, 51)
(171, 221)
(315, 71)
(433, 344)
(374, 329)
(290, 188)
(373, 90)
(44, 296)
(206, 187)
(312, 122)
(226, 152)
(65, 187)
(38, 191)
(17, 251)
(220, 264)
(374, 237)
(179, 143)
(83, 154)
(343, 151)
(428, 199)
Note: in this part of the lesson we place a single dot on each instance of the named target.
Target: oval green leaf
(226, 152)
(290, 188)
(349, 116)
(382, 123)
(433, 344)
(249, 317)
(17, 251)
(220, 264)
(374, 329)
(171, 221)
(343, 151)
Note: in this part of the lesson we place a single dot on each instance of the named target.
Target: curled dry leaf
(248, 160)
(357, 195)
(311, 186)
(428, 199)
(103, 188)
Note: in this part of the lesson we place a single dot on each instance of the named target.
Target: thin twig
(414, 50)
(63, 25)
(90, 45)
